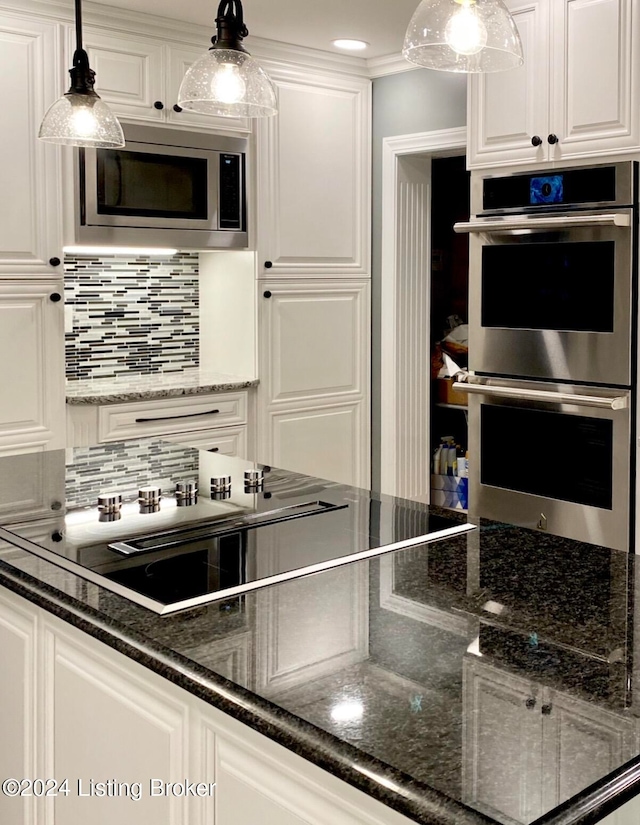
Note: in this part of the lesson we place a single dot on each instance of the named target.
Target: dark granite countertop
(412, 675)
(123, 388)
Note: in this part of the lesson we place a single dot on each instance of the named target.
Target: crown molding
(166, 29)
(389, 64)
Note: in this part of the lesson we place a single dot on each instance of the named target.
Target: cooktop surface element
(171, 527)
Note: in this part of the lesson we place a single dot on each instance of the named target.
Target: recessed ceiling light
(351, 45)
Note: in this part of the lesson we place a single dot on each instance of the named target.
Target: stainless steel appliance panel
(552, 297)
(566, 472)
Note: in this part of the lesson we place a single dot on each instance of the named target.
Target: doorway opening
(424, 283)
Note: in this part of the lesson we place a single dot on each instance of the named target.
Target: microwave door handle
(514, 226)
(608, 403)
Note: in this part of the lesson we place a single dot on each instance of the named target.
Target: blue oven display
(549, 189)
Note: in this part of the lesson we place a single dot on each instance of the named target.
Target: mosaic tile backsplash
(131, 315)
(124, 467)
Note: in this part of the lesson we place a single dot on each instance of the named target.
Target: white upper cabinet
(575, 96)
(314, 177)
(129, 72)
(32, 408)
(139, 77)
(30, 229)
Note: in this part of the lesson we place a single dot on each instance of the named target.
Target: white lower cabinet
(219, 422)
(32, 372)
(71, 707)
(527, 748)
(313, 397)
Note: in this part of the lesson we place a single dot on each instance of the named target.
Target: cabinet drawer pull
(159, 105)
(552, 139)
(267, 293)
(213, 450)
(55, 297)
(54, 261)
(530, 703)
(175, 417)
(536, 140)
(546, 709)
(268, 264)
(177, 108)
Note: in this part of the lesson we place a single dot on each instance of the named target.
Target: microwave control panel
(231, 186)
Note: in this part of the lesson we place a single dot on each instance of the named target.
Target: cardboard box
(445, 394)
(450, 491)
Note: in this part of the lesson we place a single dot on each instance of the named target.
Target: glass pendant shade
(79, 117)
(81, 120)
(229, 83)
(463, 36)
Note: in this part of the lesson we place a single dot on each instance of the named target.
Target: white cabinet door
(313, 396)
(594, 100)
(30, 227)
(108, 724)
(582, 743)
(129, 72)
(313, 177)
(508, 109)
(577, 90)
(502, 743)
(180, 59)
(329, 441)
(32, 412)
(17, 703)
(313, 340)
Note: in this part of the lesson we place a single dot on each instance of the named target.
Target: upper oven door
(551, 456)
(151, 186)
(552, 296)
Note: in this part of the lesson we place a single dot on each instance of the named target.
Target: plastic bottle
(437, 459)
(451, 455)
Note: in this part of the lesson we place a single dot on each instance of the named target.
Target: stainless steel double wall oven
(552, 350)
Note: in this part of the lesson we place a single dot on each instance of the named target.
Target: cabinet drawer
(171, 415)
(226, 441)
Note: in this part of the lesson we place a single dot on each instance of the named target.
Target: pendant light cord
(78, 25)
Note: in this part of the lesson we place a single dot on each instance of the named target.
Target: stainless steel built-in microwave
(165, 187)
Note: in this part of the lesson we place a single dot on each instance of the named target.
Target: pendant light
(80, 117)
(463, 36)
(226, 80)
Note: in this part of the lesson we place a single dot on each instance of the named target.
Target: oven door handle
(511, 226)
(603, 402)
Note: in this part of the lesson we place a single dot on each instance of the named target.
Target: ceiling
(311, 23)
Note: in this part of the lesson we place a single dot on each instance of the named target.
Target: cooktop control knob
(253, 481)
(186, 493)
(149, 499)
(220, 487)
(110, 507)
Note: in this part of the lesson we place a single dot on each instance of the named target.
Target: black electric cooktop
(178, 555)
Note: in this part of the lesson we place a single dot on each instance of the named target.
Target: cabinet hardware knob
(552, 139)
(546, 709)
(213, 449)
(177, 108)
(56, 505)
(268, 264)
(158, 105)
(530, 703)
(55, 297)
(267, 294)
(536, 140)
(54, 261)
(57, 536)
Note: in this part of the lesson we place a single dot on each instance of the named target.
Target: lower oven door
(551, 457)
